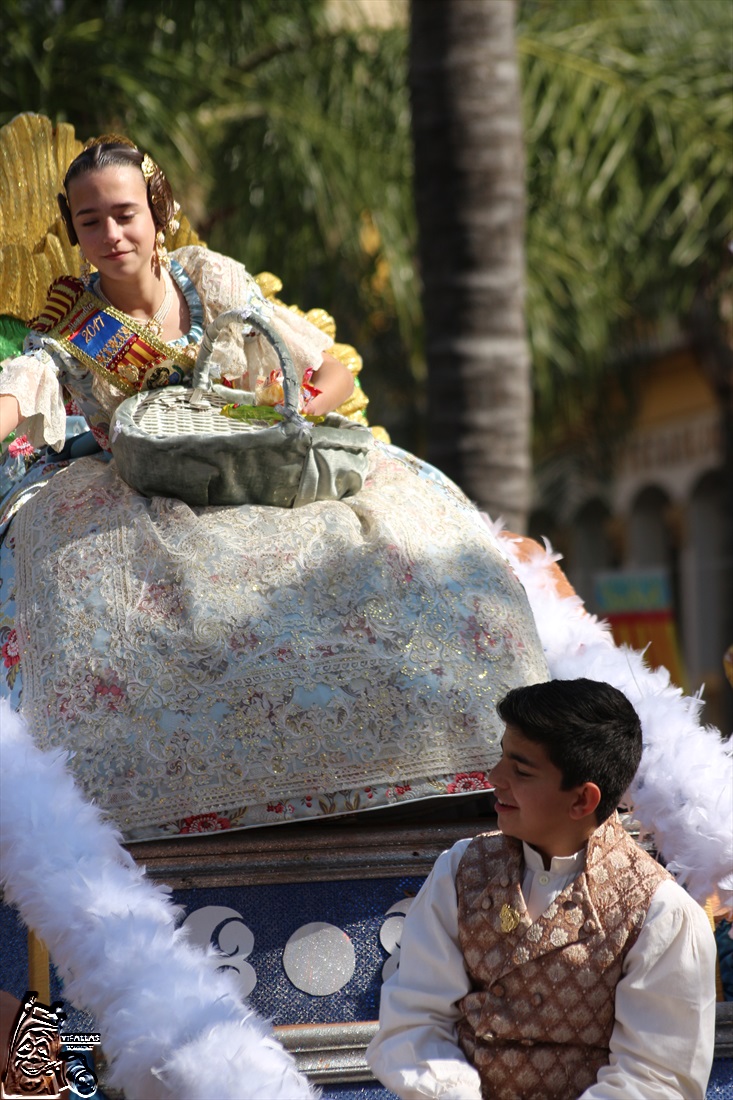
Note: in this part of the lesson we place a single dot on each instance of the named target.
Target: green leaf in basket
(252, 412)
(262, 412)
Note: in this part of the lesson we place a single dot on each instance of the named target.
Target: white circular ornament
(390, 935)
(319, 958)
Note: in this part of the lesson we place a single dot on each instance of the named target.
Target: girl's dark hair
(589, 729)
(117, 154)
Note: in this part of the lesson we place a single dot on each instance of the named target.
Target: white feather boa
(170, 1027)
(683, 792)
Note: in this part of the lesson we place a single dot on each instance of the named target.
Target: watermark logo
(42, 1060)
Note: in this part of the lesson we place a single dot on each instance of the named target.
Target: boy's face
(531, 804)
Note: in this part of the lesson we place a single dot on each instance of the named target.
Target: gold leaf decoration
(268, 283)
(34, 247)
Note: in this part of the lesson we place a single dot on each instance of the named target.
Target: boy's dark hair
(589, 729)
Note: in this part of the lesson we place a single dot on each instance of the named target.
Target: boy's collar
(609, 832)
(560, 865)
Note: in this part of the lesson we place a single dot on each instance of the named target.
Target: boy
(553, 959)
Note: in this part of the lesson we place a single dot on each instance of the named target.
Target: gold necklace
(155, 324)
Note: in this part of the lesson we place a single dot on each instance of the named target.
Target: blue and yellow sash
(116, 347)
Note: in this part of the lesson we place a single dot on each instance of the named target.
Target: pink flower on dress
(101, 437)
(402, 789)
(279, 808)
(111, 694)
(469, 781)
(20, 446)
(204, 823)
(10, 650)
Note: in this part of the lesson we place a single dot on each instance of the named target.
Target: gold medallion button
(509, 918)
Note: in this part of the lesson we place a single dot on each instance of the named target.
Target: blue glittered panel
(720, 1086)
(13, 952)
(274, 913)
(102, 336)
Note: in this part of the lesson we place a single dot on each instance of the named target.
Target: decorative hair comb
(148, 167)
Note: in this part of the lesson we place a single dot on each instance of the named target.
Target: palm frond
(629, 124)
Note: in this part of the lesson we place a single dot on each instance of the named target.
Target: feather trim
(169, 1026)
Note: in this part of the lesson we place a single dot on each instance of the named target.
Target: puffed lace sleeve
(225, 284)
(32, 379)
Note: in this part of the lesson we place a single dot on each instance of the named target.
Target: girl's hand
(336, 383)
(9, 415)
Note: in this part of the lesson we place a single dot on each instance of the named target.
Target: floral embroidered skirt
(233, 667)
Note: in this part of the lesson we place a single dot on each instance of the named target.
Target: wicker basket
(176, 442)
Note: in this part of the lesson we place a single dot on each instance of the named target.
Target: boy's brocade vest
(539, 1019)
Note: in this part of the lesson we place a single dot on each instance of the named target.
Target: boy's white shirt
(663, 1037)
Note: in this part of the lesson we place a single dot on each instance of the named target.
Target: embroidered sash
(118, 348)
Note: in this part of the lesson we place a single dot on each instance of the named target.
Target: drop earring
(85, 270)
(161, 252)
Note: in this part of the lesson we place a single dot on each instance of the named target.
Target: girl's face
(112, 219)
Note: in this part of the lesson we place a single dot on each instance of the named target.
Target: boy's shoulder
(449, 861)
(492, 843)
(671, 903)
(488, 857)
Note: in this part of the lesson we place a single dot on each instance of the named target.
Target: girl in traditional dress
(224, 667)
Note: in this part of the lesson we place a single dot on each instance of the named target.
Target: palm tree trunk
(469, 193)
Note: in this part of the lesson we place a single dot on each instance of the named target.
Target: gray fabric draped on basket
(176, 442)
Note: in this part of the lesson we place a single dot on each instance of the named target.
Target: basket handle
(201, 380)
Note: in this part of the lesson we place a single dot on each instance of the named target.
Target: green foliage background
(286, 137)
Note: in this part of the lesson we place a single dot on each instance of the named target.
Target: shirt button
(544, 879)
(536, 999)
(486, 903)
(590, 926)
(504, 880)
(497, 990)
(577, 897)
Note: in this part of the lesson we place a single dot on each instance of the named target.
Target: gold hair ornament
(148, 167)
